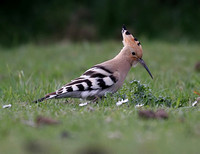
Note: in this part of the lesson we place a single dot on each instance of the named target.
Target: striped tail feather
(48, 96)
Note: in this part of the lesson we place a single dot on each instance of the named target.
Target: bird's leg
(96, 99)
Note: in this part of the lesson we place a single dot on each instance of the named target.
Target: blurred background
(46, 43)
(54, 20)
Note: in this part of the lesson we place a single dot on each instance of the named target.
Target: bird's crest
(129, 40)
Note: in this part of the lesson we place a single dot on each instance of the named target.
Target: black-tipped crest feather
(124, 27)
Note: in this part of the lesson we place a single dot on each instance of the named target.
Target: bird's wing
(96, 78)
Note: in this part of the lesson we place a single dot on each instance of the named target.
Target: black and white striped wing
(93, 81)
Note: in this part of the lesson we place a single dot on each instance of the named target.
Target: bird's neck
(124, 58)
(119, 63)
(122, 64)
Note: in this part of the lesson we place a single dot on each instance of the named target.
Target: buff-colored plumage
(105, 77)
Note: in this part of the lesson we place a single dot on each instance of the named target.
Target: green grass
(30, 71)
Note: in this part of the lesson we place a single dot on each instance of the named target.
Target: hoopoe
(104, 77)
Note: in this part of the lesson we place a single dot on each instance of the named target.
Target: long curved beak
(145, 66)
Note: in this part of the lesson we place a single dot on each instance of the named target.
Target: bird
(106, 77)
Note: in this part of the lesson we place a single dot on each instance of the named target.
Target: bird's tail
(48, 96)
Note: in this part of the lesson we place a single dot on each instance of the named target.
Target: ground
(30, 71)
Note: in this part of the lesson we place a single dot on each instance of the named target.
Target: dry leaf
(149, 114)
(161, 114)
(45, 121)
(146, 114)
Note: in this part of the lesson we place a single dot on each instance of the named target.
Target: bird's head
(133, 49)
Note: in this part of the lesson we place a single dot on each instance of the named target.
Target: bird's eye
(133, 53)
